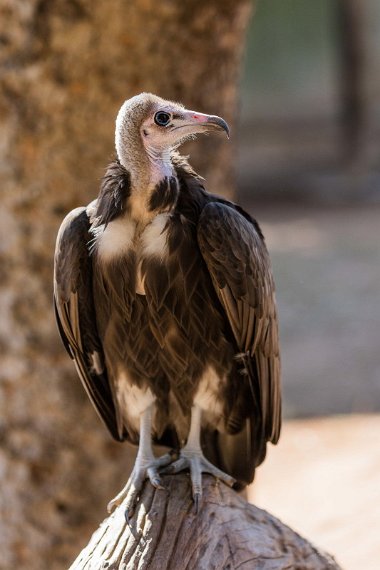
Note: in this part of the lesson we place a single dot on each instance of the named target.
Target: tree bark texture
(66, 66)
(226, 534)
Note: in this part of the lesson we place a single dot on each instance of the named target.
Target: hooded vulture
(164, 299)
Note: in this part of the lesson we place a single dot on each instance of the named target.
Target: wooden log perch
(227, 534)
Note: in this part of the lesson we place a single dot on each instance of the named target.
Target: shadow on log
(227, 533)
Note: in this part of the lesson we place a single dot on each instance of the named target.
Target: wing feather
(75, 314)
(236, 257)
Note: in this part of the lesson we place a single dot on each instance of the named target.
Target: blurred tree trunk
(66, 67)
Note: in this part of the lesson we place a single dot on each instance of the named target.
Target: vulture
(164, 299)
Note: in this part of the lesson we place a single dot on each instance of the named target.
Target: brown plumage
(165, 300)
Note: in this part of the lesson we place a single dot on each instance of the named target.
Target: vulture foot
(194, 460)
(145, 468)
(191, 457)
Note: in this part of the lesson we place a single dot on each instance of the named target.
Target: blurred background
(309, 169)
(309, 165)
(299, 82)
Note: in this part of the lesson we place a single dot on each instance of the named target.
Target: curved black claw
(128, 514)
(197, 501)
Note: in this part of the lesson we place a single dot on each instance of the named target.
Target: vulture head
(148, 128)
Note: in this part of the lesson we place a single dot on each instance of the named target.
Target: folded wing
(75, 313)
(236, 256)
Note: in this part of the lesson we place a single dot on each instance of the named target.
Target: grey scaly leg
(146, 467)
(191, 457)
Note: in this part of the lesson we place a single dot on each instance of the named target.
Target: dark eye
(161, 118)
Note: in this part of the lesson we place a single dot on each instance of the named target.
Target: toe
(196, 478)
(165, 460)
(112, 505)
(130, 503)
(177, 466)
(197, 497)
(154, 477)
(208, 467)
(116, 501)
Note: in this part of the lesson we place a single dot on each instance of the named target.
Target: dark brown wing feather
(75, 313)
(235, 254)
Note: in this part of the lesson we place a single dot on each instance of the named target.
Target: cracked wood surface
(228, 533)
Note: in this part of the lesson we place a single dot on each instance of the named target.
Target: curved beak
(192, 122)
(218, 124)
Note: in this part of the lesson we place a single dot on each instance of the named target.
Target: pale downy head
(148, 128)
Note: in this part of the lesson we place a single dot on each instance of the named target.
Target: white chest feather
(154, 237)
(116, 239)
(122, 236)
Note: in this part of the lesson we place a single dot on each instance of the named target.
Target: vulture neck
(148, 169)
